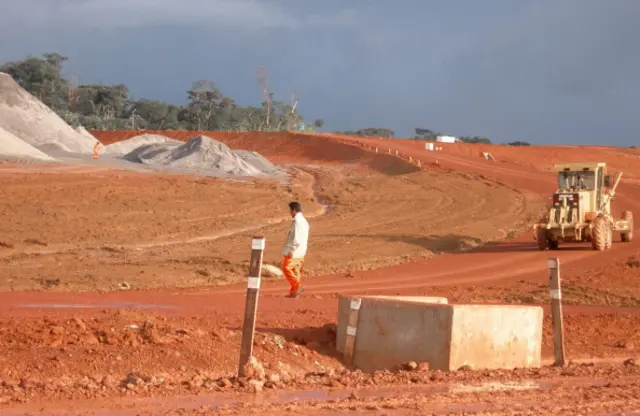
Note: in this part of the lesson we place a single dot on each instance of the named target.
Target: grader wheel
(541, 239)
(544, 242)
(609, 242)
(627, 236)
(601, 234)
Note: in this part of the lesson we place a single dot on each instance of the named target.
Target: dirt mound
(140, 142)
(30, 120)
(12, 147)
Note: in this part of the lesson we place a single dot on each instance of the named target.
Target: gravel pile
(201, 154)
(125, 147)
(12, 148)
(27, 118)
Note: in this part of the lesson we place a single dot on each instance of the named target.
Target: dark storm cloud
(536, 70)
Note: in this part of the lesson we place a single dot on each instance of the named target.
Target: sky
(542, 71)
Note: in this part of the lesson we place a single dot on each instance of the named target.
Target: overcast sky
(544, 71)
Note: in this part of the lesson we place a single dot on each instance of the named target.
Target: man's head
(294, 207)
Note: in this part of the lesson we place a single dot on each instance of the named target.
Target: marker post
(556, 311)
(251, 308)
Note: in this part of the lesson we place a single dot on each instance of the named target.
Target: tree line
(111, 107)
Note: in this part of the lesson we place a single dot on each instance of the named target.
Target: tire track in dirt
(307, 184)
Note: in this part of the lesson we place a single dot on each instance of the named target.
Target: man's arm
(290, 244)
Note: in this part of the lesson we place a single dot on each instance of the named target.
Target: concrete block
(394, 330)
(344, 308)
(496, 336)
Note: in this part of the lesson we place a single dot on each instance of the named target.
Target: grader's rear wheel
(601, 234)
(627, 236)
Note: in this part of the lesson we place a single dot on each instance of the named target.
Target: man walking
(295, 248)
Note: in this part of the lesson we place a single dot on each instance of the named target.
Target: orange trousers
(291, 268)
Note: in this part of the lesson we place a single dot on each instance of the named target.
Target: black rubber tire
(600, 234)
(609, 241)
(541, 239)
(627, 236)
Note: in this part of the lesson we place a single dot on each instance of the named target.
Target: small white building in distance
(447, 139)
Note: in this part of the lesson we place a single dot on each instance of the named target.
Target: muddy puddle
(213, 402)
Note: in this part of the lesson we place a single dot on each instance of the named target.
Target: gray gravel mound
(125, 147)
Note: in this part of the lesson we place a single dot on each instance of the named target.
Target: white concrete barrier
(394, 330)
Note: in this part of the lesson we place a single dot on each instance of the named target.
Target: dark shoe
(295, 294)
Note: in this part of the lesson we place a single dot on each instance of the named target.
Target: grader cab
(581, 209)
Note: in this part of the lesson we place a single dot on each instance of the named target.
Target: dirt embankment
(285, 148)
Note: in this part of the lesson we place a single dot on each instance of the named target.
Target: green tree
(371, 132)
(155, 115)
(425, 134)
(475, 139)
(205, 101)
(42, 77)
(98, 106)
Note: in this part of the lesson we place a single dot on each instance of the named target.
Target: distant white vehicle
(447, 139)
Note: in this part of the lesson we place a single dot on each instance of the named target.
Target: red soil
(500, 272)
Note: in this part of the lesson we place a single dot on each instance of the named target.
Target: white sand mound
(200, 153)
(124, 147)
(12, 147)
(83, 132)
(257, 160)
(30, 120)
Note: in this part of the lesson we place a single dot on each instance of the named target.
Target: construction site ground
(130, 285)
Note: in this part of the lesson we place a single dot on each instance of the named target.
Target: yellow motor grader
(581, 209)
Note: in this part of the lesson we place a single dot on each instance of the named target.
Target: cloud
(249, 15)
(537, 70)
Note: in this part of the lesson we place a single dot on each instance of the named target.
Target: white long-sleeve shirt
(297, 237)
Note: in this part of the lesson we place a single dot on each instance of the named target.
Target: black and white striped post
(555, 292)
(251, 307)
(352, 331)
